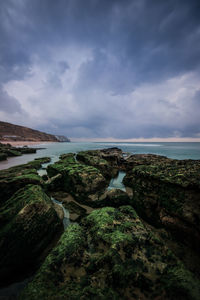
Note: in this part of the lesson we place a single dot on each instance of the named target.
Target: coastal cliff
(11, 132)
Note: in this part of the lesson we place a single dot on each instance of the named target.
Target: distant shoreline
(26, 143)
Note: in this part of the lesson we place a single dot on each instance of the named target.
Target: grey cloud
(131, 42)
(9, 104)
(62, 66)
(54, 76)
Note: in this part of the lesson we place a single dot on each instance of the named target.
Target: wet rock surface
(6, 150)
(14, 178)
(28, 224)
(112, 255)
(77, 178)
(138, 243)
(168, 194)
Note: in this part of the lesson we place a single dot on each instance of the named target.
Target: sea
(54, 150)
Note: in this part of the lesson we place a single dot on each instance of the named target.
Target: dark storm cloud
(131, 43)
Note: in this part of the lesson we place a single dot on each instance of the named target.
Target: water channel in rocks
(117, 182)
(43, 170)
(66, 220)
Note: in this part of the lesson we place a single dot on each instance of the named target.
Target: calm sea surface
(53, 150)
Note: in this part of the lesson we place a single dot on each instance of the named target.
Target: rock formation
(142, 243)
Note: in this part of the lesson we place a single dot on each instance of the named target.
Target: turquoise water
(117, 182)
(172, 150)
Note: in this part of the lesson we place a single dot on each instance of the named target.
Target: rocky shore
(138, 243)
(7, 150)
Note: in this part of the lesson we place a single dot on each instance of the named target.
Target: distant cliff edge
(11, 132)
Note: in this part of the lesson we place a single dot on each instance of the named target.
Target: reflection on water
(116, 183)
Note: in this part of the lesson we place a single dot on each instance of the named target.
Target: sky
(102, 69)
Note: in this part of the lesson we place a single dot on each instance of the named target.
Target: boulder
(112, 255)
(135, 160)
(14, 178)
(96, 159)
(6, 150)
(77, 178)
(168, 194)
(114, 198)
(28, 223)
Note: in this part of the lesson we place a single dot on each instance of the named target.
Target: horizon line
(136, 140)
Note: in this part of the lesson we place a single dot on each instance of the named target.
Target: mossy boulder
(28, 225)
(77, 178)
(27, 150)
(6, 150)
(14, 178)
(13, 152)
(135, 160)
(168, 194)
(95, 158)
(112, 255)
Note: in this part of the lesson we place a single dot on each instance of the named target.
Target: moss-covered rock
(167, 194)
(95, 158)
(6, 150)
(14, 178)
(77, 178)
(108, 161)
(135, 160)
(28, 225)
(113, 255)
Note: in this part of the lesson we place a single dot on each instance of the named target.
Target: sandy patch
(25, 143)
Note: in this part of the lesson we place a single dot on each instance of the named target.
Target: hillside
(11, 132)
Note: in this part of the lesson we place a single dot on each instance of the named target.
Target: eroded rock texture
(139, 243)
(168, 194)
(112, 255)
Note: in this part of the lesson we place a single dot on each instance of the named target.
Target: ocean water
(53, 150)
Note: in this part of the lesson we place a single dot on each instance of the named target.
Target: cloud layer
(98, 68)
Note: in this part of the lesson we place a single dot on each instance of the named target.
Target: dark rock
(6, 150)
(14, 178)
(106, 160)
(3, 156)
(28, 225)
(168, 194)
(112, 256)
(135, 160)
(78, 179)
(114, 198)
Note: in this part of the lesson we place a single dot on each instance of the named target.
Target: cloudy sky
(114, 69)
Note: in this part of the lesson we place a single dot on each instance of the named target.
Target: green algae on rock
(112, 255)
(135, 160)
(77, 178)
(14, 178)
(6, 150)
(168, 194)
(29, 223)
(94, 158)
